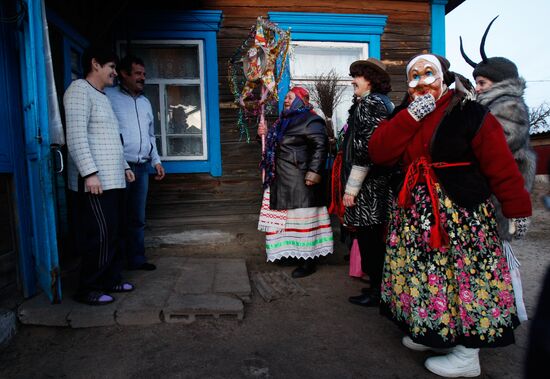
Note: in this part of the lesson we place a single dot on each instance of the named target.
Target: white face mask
(427, 81)
(425, 76)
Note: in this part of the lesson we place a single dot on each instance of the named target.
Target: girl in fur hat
(500, 88)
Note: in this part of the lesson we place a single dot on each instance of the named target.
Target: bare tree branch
(539, 118)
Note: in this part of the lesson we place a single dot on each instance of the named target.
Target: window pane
(184, 120)
(174, 89)
(340, 116)
(168, 61)
(183, 104)
(309, 61)
(187, 145)
(340, 113)
(158, 140)
(152, 93)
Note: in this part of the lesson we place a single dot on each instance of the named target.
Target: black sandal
(122, 287)
(94, 298)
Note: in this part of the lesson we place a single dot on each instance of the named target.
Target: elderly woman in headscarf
(294, 214)
(446, 281)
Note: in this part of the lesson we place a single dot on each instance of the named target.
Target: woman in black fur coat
(367, 187)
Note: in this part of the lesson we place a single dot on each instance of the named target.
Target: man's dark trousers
(134, 229)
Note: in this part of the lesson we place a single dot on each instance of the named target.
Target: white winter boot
(461, 361)
(409, 343)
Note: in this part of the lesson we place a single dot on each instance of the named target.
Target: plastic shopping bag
(355, 260)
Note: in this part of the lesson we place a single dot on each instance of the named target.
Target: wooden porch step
(204, 209)
(240, 238)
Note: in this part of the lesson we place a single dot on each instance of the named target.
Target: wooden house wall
(407, 31)
(235, 197)
(231, 202)
(541, 145)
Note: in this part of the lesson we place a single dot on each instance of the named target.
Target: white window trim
(325, 44)
(161, 82)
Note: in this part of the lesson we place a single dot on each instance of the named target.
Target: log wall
(188, 202)
(407, 30)
(185, 200)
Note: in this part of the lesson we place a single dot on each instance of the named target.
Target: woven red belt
(422, 168)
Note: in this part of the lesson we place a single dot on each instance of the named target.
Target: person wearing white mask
(446, 282)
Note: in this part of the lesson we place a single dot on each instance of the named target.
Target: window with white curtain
(175, 88)
(313, 58)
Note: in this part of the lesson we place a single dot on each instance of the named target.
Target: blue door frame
(12, 157)
(37, 156)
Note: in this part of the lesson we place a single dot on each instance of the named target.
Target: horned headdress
(495, 69)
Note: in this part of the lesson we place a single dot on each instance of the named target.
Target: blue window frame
(197, 25)
(330, 27)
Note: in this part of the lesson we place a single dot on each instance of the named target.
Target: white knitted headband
(430, 58)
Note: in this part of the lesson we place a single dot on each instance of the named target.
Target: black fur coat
(373, 199)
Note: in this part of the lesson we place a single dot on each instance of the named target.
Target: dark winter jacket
(506, 103)
(373, 199)
(301, 151)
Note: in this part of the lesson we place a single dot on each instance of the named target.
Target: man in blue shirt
(136, 121)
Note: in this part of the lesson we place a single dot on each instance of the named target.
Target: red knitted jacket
(404, 139)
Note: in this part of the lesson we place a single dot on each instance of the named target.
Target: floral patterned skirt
(459, 294)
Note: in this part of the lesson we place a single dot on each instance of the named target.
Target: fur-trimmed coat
(506, 103)
(374, 198)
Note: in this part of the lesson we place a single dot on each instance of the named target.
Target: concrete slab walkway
(180, 290)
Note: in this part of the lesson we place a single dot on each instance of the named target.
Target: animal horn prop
(466, 58)
(482, 45)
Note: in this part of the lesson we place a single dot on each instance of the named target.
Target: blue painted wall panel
(438, 26)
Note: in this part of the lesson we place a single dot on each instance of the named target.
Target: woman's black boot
(305, 269)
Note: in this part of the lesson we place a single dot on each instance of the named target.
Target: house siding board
(541, 145)
(406, 33)
(200, 199)
(543, 159)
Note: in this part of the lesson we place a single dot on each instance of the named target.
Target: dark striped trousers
(97, 219)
